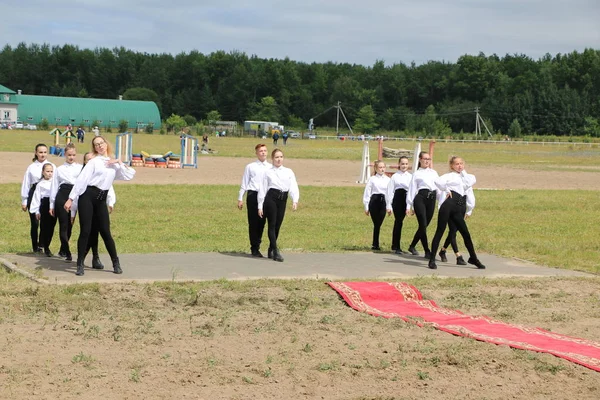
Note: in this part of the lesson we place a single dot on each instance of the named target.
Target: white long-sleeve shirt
(470, 201)
(423, 178)
(33, 175)
(66, 173)
(101, 175)
(253, 177)
(400, 180)
(280, 178)
(377, 184)
(41, 190)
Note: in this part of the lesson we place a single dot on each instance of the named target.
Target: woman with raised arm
(90, 191)
(454, 185)
(422, 194)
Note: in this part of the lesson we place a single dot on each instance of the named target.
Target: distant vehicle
(30, 127)
(19, 125)
(294, 134)
(312, 135)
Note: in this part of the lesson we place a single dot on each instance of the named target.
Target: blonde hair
(452, 160)
(375, 164)
(109, 149)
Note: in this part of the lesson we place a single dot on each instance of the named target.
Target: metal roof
(4, 89)
(84, 111)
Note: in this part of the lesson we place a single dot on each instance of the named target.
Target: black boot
(432, 264)
(460, 261)
(476, 263)
(96, 263)
(442, 254)
(117, 266)
(277, 255)
(79, 267)
(270, 253)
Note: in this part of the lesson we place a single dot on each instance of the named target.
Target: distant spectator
(275, 138)
(285, 137)
(80, 134)
(96, 131)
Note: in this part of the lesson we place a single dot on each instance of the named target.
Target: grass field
(534, 156)
(280, 339)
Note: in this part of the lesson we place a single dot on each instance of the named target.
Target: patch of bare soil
(292, 340)
(228, 170)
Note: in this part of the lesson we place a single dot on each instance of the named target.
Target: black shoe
(256, 253)
(460, 261)
(277, 256)
(413, 251)
(96, 263)
(39, 250)
(427, 255)
(443, 257)
(399, 251)
(394, 248)
(48, 253)
(79, 268)
(476, 263)
(432, 264)
(68, 258)
(62, 254)
(375, 248)
(270, 253)
(117, 266)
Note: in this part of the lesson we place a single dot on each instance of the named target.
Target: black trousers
(452, 229)
(377, 213)
(274, 211)
(256, 224)
(399, 208)
(453, 210)
(36, 236)
(47, 223)
(63, 216)
(93, 212)
(424, 206)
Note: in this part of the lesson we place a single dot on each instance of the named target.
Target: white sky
(350, 31)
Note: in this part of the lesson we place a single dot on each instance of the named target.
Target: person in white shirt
(374, 200)
(32, 176)
(40, 207)
(396, 197)
(452, 229)
(278, 182)
(62, 183)
(422, 194)
(454, 185)
(251, 181)
(90, 190)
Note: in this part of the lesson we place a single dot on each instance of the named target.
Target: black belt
(97, 193)
(460, 200)
(65, 186)
(277, 194)
(430, 194)
(400, 190)
(378, 196)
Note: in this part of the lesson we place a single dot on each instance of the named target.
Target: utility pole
(478, 122)
(337, 121)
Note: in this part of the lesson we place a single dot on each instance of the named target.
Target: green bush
(123, 125)
(44, 124)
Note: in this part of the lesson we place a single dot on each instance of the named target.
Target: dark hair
(401, 157)
(275, 151)
(421, 156)
(84, 156)
(37, 146)
(44, 167)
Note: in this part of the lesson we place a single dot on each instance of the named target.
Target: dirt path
(228, 171)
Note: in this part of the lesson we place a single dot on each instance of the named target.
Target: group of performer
(406, 194)
(49, 194)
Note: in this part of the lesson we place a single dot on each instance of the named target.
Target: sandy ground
(228, 170)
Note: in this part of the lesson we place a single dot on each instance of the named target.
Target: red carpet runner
(400, 300)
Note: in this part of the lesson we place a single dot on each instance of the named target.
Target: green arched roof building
(84, 111)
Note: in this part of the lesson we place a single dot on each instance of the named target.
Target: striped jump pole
(124, 147)
(189, 156)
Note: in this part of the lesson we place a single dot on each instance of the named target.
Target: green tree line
(553, 95)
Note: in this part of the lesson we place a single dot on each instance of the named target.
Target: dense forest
(553, 95)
